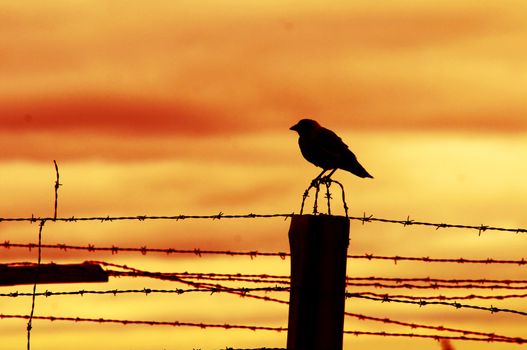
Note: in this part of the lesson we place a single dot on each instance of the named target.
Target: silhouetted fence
(207, 282)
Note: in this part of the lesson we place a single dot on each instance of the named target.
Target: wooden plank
(11, 275)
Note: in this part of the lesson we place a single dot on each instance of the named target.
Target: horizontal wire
(143, 250)
(437, 328)
(227, 326)
(264, 289)
(438, 337)
(109, 218)
(243, 292)
(421, 303)
(432, 280)
(253, 254)
(396, 259)
(150, 323)
(364, 219)
(145, 291)
(436, 285)
(177, 276)
(442, 297)
(264, 278)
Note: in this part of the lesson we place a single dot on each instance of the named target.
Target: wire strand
(363, 219)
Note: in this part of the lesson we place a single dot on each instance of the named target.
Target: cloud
(173, 72)
(121, 115)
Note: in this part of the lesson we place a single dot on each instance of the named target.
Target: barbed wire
(432, 280)
(217, 287)
(363, 219)
(421, 303)
(233, 278)
(264, 278)
(188, 279)
(489, 339)
(254, 253)
(147, 291)
(432, 283)
(426, 259)
(348, 295)
(436, 285)
(437, 328)
(179, 217)
(227, 326)
(143, 250)
(443, 297)
(150, 323)
(244, 292)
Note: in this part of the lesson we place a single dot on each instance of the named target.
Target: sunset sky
(179, 107)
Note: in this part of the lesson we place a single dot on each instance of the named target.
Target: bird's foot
(325, 180)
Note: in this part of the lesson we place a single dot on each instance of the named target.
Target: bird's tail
(358, 170)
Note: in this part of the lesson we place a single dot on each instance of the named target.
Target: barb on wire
(327, 181)
(421, 303)
(328, 195)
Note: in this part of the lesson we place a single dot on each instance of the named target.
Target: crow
(325, 149)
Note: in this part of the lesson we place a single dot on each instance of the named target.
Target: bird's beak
(293, 127)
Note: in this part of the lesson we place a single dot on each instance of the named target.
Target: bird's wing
(329, 142)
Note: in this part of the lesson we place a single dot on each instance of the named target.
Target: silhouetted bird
(326, 150)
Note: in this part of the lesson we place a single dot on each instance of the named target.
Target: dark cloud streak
(113, 114)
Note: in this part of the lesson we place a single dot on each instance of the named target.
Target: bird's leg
(316, 180)
(327, 178)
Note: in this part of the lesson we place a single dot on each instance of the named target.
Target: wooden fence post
(51, 273)
(319, 245)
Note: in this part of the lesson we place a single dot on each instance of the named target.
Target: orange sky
(171, 108)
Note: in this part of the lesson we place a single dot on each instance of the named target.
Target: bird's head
(305, 126)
